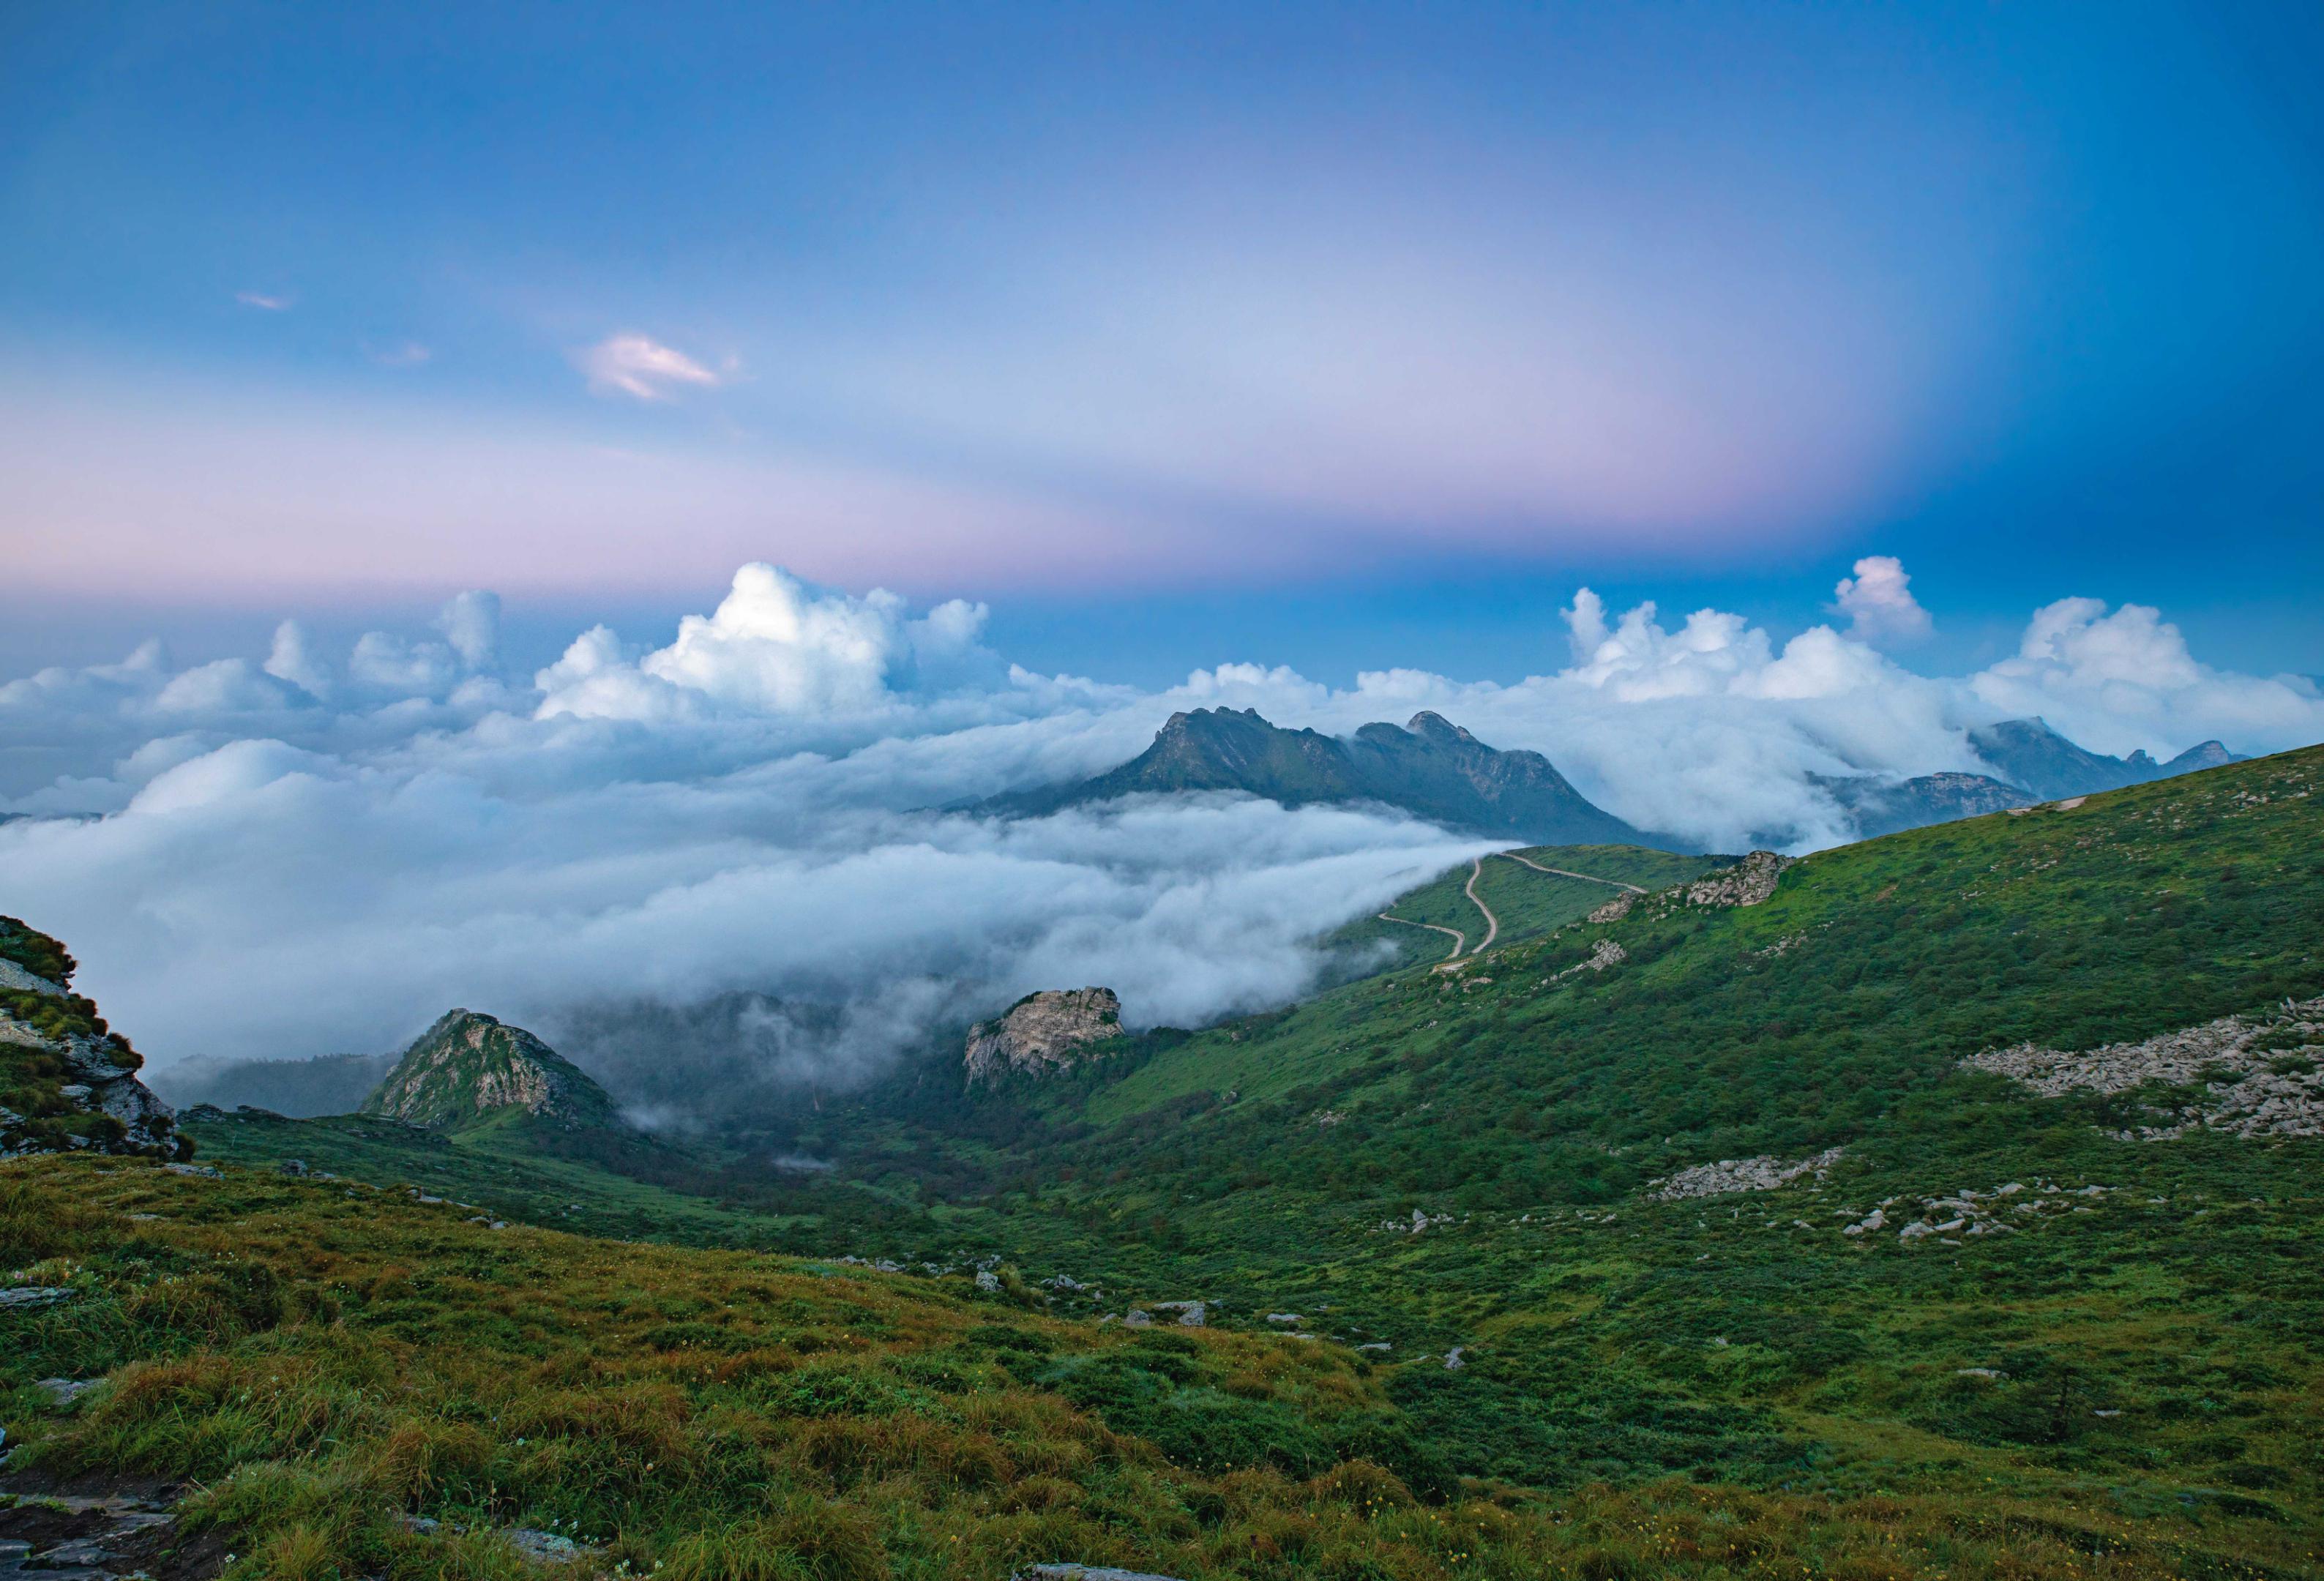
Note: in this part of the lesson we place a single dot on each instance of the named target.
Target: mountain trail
(1459, 940)
(1492, 923)
(1566, 872)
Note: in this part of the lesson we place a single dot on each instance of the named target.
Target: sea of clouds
(310, 852)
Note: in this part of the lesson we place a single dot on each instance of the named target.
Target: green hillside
(1525, 900)
(1711, 1258)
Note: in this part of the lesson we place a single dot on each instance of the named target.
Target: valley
(1724, 1205)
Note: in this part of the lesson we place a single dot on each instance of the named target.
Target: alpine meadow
(1024, 793)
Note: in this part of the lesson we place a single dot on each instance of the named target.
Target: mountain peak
(471, 1069)
(1435, 726)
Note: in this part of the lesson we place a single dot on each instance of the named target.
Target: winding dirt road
(1563, 873)
(1492, 923)
(1459, 940)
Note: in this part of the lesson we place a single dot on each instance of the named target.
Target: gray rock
(1763, 1173)
(24, 1295)
(545, 1548)
(1135, 1318)
(65, 1390)
(1747, 884)
(1083, 1573)
(1043, 1032)
(2232, 1062)
(17, 980)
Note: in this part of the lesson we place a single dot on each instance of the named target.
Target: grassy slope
(1816, 1380)
(323, 1359)
(1527, 903)
(492, 1169)
(1800, 1023)
(1533, 1109)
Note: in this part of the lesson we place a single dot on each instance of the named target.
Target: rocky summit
(66, 1080)
(1043, 1032)
(469, 1069)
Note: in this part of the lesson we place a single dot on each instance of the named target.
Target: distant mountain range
(2029, 754)
(1429, 767)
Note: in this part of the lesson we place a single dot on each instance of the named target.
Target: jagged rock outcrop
(1747, 884)
(1043, 1032)
(470, 1069)
(66, 1080)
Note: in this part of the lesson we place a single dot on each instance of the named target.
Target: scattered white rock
(1763, 1173)
(2248, 1071)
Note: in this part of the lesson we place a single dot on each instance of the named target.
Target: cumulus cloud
(1880, 603)
(775, 645)
(2122, 680)
(294, 659)
(736, 830)
(643, 368)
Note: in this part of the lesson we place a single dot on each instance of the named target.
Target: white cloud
(323, 851)
(264, 301)
(643, 369)
(776, 645)
(471, 622)
(1880, 603)
(294, 659)
(2125, 680)
(403, 353)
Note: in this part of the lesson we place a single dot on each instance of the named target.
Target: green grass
(1721, 1387)
(324, 1359)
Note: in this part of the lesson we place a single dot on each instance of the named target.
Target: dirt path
(1492, 923)
(1459, 940)
(1564, 873)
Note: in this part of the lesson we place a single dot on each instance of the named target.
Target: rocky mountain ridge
(1428, 766)
(2028, 752)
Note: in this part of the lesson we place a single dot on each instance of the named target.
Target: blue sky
(1337, 337)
